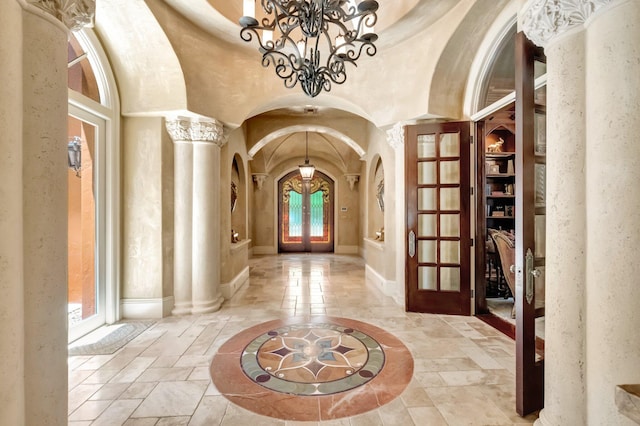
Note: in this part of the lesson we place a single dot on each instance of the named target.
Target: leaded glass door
(438, 218)
(305, 212)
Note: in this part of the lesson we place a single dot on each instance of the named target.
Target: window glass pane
(540, 224)
(427, 224)
(426, 146)
(540, 130)
(81, 225)
(81, 77)
(450, 252)
(295, 214)
(317, 214)
(427, 251)
(541, 181)
(450, 172)
(540, 95)
(450, 225)
(427, 173)
(449, 199)
(450, 279)
(427, 278)
(427, 199)
(449, 145)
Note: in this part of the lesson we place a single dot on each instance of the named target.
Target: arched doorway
(305, 213)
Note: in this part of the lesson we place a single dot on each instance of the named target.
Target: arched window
(93, 184)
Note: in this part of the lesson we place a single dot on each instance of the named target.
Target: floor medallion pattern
(312, 369)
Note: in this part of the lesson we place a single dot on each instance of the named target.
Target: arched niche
(375, 205)
(238, 202)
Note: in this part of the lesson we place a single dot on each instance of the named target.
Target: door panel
(438, 218)
(530, 224)
(305, 213)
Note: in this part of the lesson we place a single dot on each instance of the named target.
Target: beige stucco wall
(147, 217)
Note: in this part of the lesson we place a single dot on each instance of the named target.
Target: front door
(438, 218)
(530, 212)
(305, 212)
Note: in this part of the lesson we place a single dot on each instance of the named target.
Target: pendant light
(306, 169)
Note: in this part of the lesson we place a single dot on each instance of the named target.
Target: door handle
(412, 244)
(530, 277)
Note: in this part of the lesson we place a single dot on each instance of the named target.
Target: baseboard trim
(347, 250)
(257, 250)
(385, 286)
(232, 287)
(146, 308)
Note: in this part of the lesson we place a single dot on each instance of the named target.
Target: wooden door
(305, 213)
(438, 218)
(530, 224)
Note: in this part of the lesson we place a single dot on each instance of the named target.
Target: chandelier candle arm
(314, 39)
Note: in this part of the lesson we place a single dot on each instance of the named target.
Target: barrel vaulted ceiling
(186, 55)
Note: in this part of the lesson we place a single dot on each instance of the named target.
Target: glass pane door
(85, 288)
(438, 218)
(305, 214)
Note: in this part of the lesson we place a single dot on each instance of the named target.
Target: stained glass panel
(317, 214)
(295, 214)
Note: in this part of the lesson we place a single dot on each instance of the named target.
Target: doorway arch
(305, 213)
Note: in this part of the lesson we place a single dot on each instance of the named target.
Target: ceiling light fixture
(290, 38)
(306, 169)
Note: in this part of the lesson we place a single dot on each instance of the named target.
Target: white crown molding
(75, 14)
(187, 129)
(543, 20)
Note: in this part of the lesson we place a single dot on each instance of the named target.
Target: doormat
(109, 338)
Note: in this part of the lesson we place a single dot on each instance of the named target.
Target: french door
(86, 222)
(438, 218)
(305, 213)
(530, 224)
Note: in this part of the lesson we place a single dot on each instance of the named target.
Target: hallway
(463, 369)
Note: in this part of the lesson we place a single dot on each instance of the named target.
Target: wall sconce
(74, 151)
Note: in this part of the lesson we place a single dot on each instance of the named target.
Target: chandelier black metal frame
(301, 25)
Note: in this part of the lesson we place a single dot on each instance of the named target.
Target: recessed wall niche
(238, 201)
(375, 205)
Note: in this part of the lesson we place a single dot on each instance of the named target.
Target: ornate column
(593, 98)
(208, 139)
(33, 188)
(179, 130)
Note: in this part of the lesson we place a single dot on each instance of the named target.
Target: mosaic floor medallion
(320, 368)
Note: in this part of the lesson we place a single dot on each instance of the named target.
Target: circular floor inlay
(312, 359)
(312, 369)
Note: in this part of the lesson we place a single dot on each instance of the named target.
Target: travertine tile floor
(463, 372)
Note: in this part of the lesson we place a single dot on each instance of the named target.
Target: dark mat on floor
(123, 333)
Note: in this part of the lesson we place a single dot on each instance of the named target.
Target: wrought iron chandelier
(315, 38)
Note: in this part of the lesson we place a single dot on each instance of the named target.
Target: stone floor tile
(172, 399)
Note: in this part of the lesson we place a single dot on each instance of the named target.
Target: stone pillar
(593, 205)
(197, 214)
(206, 217)
(33, 216)
(12, 321)
(183, 215)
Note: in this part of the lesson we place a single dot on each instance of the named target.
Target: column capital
(194, 129)
(544, 20)
(395, 135)
(352, 178)
(259, 179)
(75, 14)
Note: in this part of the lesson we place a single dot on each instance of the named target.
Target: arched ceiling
(425, 51)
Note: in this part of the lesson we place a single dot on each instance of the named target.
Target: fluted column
(182, 214)
(206, 294)
(591, 338)
(197, 144)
